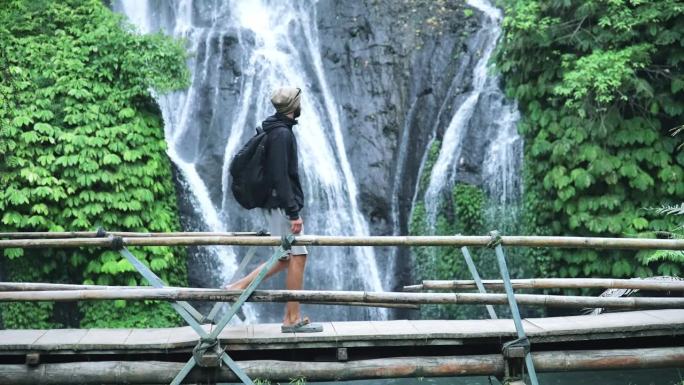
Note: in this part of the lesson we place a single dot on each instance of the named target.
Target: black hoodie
(282, 167)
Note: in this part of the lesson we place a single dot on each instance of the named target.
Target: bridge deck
(348, 334)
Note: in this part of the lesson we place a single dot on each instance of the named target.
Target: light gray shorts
(279, 225)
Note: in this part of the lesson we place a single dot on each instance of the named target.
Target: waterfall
(502, 161)
(239, 52)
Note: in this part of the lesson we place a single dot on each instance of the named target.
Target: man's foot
(302, 326)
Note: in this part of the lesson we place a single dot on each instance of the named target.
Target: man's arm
(278, 166)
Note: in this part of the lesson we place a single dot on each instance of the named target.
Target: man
(285, 202)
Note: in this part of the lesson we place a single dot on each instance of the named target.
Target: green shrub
(599, 85)
(462, 212)
(82, 146)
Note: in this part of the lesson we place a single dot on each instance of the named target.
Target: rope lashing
(523, 343)
(101, 233)
(203, 346)
(494, 239)
(286, 242)
(117, 243)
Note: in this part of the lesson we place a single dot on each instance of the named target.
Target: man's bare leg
(242, 283)
(294, 281)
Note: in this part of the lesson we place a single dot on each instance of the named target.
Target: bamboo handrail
(95, 234)
(368, 304)
(323, 240)
(371, 298)
(39, 286)
(553, 283)
(532, 283)
(31, 286)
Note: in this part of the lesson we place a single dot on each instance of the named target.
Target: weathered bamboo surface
(319, 240)
(160, 372)
(40, 286)
(553, 283)
(94, 234)
(669, 323)
(31, 286)
(310, 296)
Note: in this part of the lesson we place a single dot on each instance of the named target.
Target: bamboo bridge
(647, 332)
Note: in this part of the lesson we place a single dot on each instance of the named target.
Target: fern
(670, 210)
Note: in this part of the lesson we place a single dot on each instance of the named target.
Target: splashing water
(503, 157)
(240, 52)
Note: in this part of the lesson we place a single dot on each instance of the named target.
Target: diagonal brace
(282, 250)
(503, 268)
(217, 306)
(189, 314)
(478, 280)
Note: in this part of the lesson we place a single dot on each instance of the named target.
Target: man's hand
(296, 225)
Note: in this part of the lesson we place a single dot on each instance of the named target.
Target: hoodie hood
(278, 120)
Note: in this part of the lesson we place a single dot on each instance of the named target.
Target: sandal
(303, 326)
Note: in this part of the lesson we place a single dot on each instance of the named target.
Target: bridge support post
(513, 347)
(208, 352)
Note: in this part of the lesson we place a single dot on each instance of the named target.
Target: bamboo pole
(554, 283)
(309, 296)
(39, 286)
(29, 286)
(94, 234)
(160, 372)
(319, 240)
(368, 304)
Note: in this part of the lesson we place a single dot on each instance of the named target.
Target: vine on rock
(81, 147)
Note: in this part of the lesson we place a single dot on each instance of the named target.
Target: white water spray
(502, 159)
(276, 44)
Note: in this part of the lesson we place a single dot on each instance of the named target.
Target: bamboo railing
(12, 291)
(339, 297)
(553, 283)
(219, 239)
(151, 372)
(103, 234)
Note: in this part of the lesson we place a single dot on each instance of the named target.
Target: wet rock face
(395, 69)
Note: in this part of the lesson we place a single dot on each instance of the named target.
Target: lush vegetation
(81, 147)
(463, 211)
(600, 87)
(462, 214)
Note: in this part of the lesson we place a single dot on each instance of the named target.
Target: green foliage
(134, 314)
(599, 84)
(32, 268)
(432, 156)
(673, 209)
(82, 146)
(469, 203)
(463, 214)
(667, 262)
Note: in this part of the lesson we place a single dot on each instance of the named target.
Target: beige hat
(286, 99)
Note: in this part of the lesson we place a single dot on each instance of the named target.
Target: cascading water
(501, 164)
(241, 51)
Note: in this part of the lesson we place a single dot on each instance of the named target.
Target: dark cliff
(395, 69)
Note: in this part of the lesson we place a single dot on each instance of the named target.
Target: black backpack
(249, 183)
